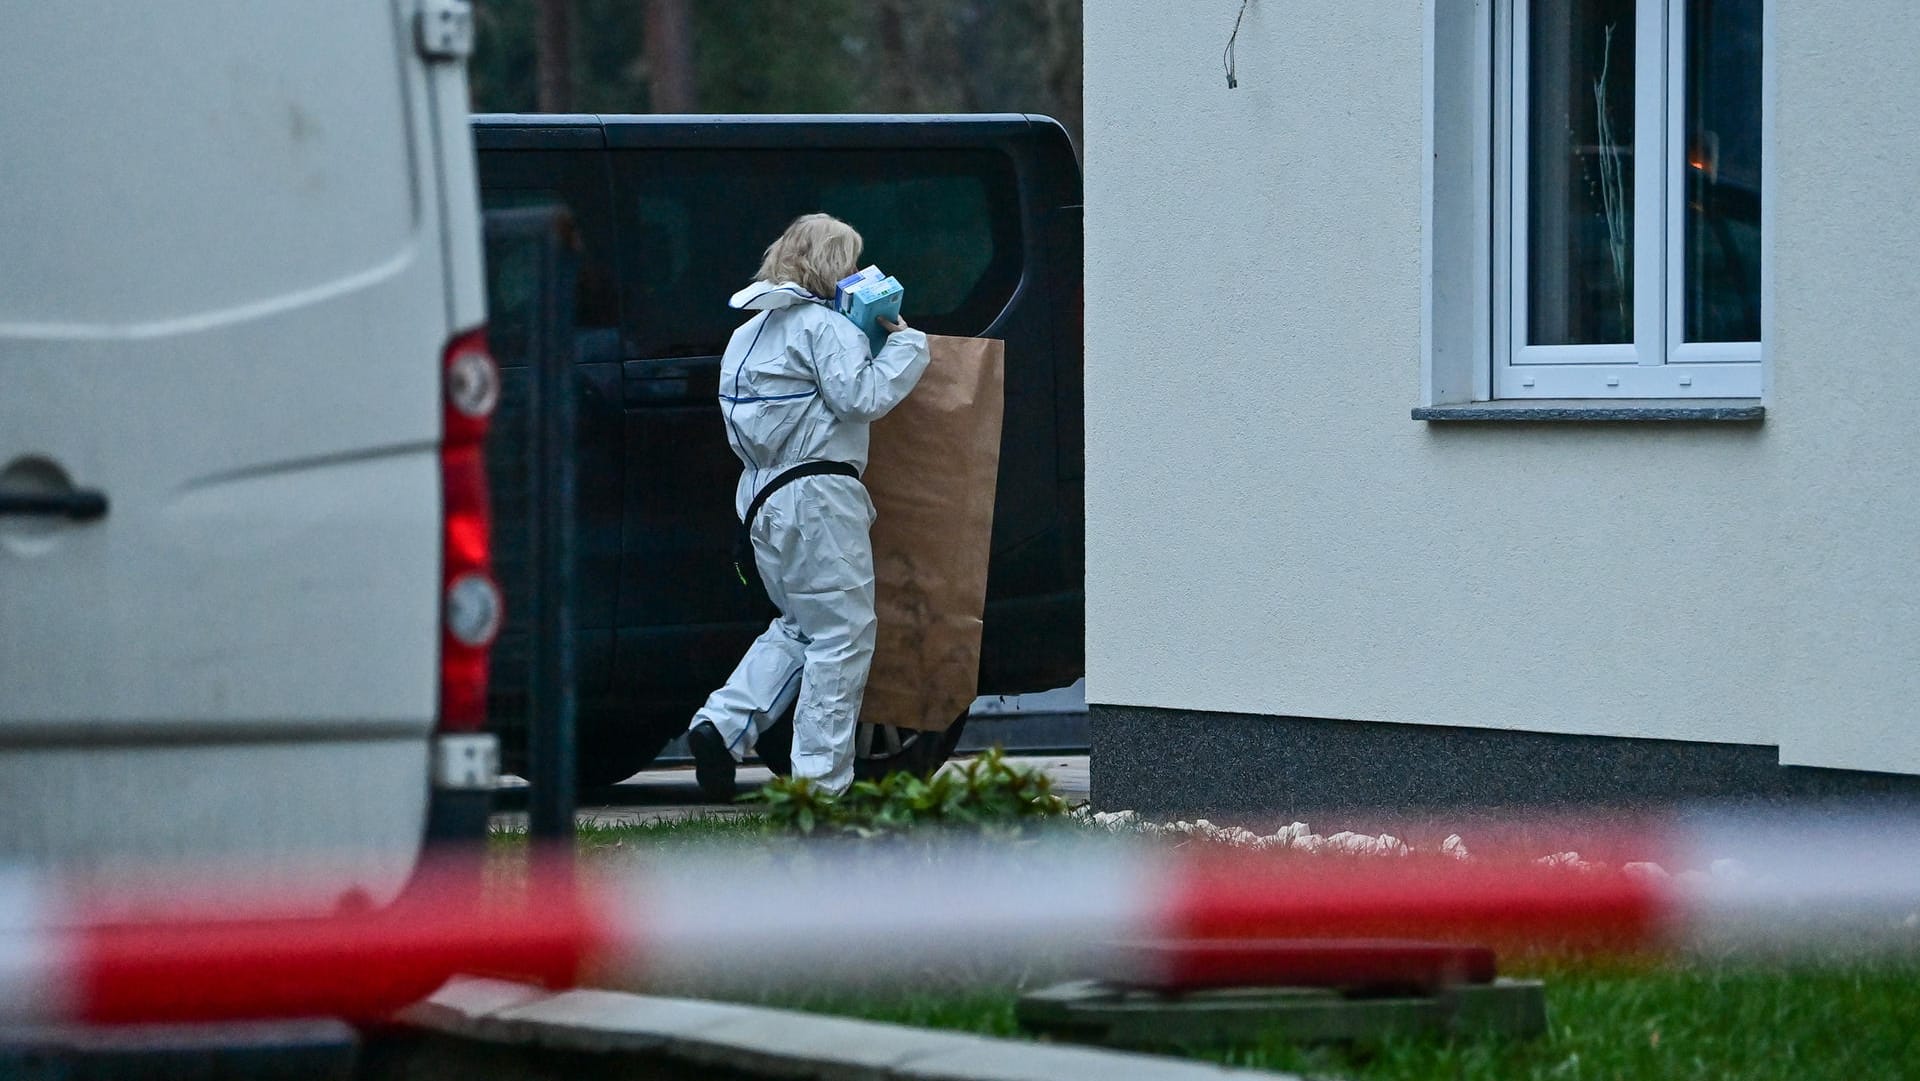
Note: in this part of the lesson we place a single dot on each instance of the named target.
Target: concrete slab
(472, 1002)
(654, 795)
(779, 1043)
(683, 1035)
(1070, 774)
(984, 1059)
(610, 1020)
(670, 794)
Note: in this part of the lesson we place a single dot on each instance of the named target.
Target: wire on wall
(1226, 58)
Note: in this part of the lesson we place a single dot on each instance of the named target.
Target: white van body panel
(465, 251)
(209, 798)
(223, 304)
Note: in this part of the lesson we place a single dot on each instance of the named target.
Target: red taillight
(471, 609)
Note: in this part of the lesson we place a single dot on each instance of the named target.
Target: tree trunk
(669, 46)
(554, 57)
(1062, 64)
(895, 77)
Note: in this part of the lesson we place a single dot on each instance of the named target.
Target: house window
(1627, 199)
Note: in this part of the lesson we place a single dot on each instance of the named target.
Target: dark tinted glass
(1580, 130)
(1721, 286)
(693, 224)
(575, 181)
(513, 280)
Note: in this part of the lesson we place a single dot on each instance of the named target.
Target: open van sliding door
(939, 207)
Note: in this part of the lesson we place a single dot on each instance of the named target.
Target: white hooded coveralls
(799, 383)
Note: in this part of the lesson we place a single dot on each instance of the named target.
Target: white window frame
(1658, 364)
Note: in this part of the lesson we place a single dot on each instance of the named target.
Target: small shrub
(986, 795)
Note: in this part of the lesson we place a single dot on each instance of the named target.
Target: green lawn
(1688, 1020)
(1692, 1019)
(1685, 1019)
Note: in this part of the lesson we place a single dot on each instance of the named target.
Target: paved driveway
(664, 794)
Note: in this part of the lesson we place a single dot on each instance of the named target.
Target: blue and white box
(871, 301)
(841, 301)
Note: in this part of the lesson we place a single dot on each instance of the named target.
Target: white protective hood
(767, 296)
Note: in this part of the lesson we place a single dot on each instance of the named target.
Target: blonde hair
(816, 251)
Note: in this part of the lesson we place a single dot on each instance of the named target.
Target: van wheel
(878, 749)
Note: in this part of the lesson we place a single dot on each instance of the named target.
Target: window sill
(1594, 410)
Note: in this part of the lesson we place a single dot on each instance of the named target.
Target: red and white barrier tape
(707, 917)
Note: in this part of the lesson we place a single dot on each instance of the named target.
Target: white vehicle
(245, 599)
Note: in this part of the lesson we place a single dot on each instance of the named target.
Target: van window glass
(936, 232)
(513, 279)
(695, 222)
(512, 283)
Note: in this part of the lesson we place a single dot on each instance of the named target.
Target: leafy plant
(989, 794)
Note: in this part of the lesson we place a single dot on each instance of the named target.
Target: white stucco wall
(1268, 530)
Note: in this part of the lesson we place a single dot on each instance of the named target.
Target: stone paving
(659, 795)
(754, 1041)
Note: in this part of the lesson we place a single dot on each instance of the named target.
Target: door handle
(79, 505)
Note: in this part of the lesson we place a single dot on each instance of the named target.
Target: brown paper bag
(932, 470)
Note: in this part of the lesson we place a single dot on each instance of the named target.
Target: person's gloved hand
(895, 328)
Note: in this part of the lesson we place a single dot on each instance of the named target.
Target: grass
(1686, 1021)
(697, 830)
(593, 839)
(1690, 1018)
(1695, 1019)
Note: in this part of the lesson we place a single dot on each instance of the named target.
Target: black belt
(745, 567)
(804, 469)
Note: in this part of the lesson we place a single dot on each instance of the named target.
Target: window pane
(1580, 56)
(513, 279)
(576, 181)
(945, 222)
(1721, 224)
(933, 231)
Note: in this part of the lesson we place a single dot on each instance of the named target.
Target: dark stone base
(1165, 763)
(1125, 1015)
(229, 1051)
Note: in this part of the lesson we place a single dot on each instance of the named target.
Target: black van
(978, 215)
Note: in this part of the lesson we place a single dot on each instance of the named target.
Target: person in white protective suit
(799, 385)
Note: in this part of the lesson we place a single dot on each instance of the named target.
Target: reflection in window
(513, 280)
(513, 285)
(1580, 172)
(945, 222)
(1720, 287)
(933, 232)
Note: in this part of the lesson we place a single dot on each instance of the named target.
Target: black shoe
(712, 762)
